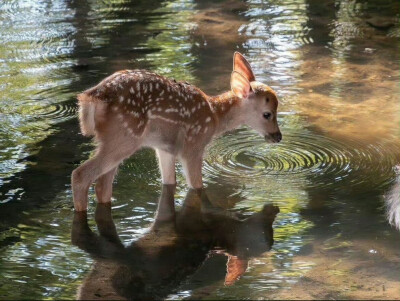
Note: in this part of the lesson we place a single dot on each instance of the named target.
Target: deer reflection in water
(175, 247)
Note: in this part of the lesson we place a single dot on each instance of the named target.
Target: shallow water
(335, 67)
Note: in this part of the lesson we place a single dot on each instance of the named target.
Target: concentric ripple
(318, 158)
(59, 111)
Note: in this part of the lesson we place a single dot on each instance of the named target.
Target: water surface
(335, 68)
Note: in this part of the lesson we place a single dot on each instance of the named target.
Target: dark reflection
(177, 244)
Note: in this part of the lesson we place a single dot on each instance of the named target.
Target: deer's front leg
(192, 169)
(167, 167)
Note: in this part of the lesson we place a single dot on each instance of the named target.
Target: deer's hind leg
(104, 186)
(105, 162)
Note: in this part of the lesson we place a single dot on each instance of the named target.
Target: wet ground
(324, 190)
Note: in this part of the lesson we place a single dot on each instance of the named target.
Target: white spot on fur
(198, 128)
(208, 119)
(132, 90)
(121, 98)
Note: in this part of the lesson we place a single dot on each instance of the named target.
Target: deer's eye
(267, 115)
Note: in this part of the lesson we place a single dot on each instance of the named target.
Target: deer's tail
(87, 110)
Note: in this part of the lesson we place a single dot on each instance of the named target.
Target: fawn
(135, 108)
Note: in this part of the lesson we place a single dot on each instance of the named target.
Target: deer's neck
(227, 109)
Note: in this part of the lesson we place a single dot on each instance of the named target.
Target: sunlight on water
(243, 156)
(335, 68)
(31, 61)
(173, 40)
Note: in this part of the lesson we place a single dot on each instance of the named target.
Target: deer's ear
(241, 65)
(240, 85)
(235, 268)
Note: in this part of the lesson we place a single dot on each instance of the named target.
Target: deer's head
(259, 101)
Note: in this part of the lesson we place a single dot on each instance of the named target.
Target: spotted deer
(132, 109)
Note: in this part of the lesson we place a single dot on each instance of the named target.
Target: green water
(335, 67)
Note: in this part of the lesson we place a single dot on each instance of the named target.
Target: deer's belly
(164, 135)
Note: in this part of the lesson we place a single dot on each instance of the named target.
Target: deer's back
(136, 97)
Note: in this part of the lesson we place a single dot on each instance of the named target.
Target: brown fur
(87, 108)
(136, 108)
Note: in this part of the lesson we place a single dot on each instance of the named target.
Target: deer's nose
(277, 136)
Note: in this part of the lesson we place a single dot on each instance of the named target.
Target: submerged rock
(380, 23)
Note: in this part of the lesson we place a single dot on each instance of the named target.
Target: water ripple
(318, 158)
(60, 111)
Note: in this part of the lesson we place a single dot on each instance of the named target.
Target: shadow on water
(177, 245)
